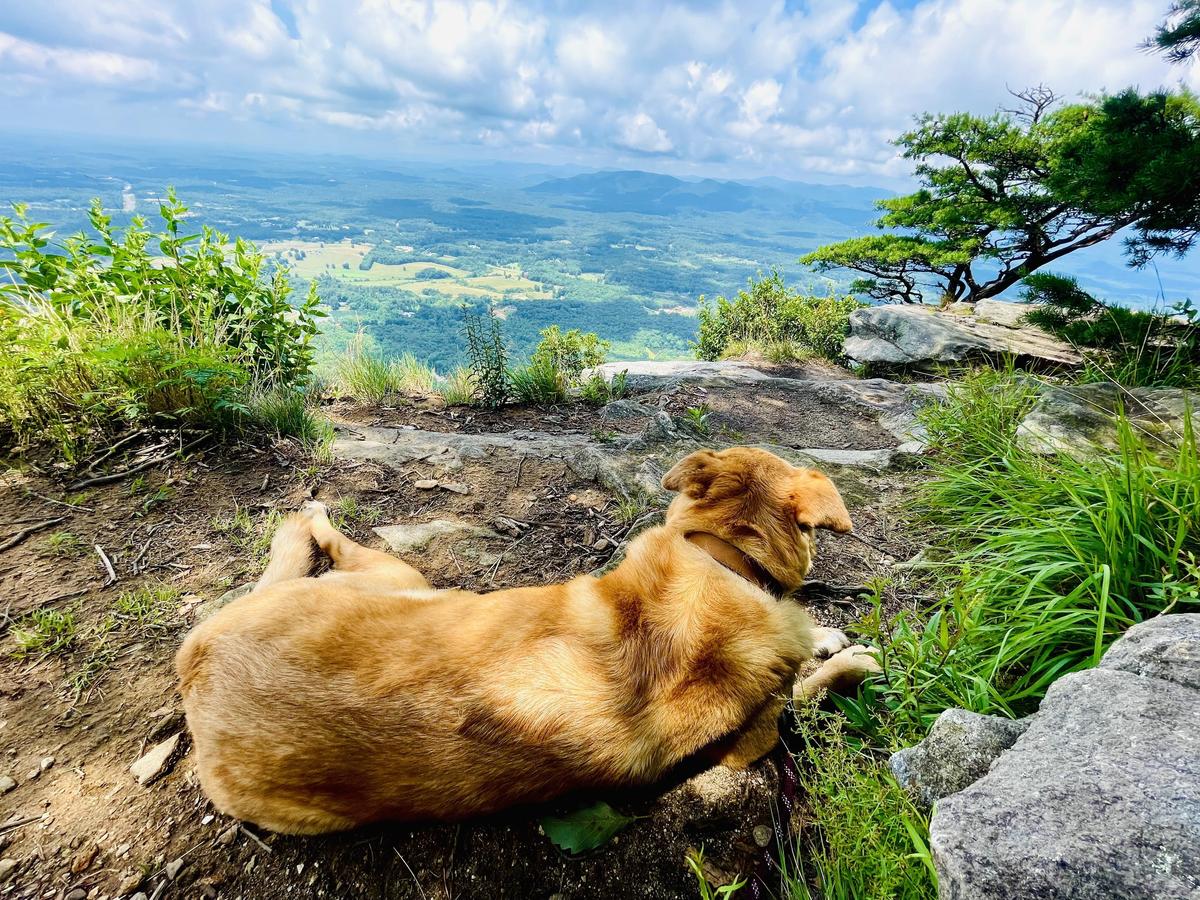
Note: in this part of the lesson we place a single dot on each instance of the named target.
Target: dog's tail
(294, 552)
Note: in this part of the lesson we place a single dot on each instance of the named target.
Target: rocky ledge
(1099, 795)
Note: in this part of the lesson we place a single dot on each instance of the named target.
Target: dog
(319, 704)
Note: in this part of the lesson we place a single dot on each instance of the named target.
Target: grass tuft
(44, 632)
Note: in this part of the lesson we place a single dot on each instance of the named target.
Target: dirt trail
(558, 492)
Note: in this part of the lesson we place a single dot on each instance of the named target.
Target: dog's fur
(318, 704)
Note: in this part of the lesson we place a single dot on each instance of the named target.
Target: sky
(806, 90)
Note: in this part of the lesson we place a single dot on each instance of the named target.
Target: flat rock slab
(921, 336)
(1166, 647)
(416, 537)
(1079, 419)
(1100, 798)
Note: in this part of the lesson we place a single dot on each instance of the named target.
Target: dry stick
(114, 448)
(254, 837)
(79, 506)
(26, 532)
(162, 886)
(112, 575)
(411, 872)
(17, 824)
(140, 467)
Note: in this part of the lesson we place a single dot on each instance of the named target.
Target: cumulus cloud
(793, 88)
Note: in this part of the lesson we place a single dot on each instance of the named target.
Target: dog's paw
(855, 661)
(828, 641)
(311, 508)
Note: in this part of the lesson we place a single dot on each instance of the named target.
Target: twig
(411, 872)
(520, 467)
(26, 532)
(827, 589)
(114, 448)
(866, 543)
(254, 837)
(500, 558)
(140, 467)
(162, 886)
(108, 566)
(17, 824)
(59, 502)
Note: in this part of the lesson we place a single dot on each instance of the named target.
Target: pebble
(762, 835)
(228, 836)
(84, 858)
(129, 883)
(6, 868)
(172, 868)
(457, 486)
(425, 484)
(139, 896)
(156, 762)
(601, 544)
(77, 894)
(7, 783)
(46, 763)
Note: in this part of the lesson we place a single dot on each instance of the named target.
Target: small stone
(762, 835)
(207, 819)
(129, 884)
(77, 894)
(156, 762)
(602, 544)
(425, 484)
(457, 486)
(172, 868)
(227, 837)
(6, 868)
(46, 763)
(139, 896)
(7, 783)
(84, 858)
(32, 774)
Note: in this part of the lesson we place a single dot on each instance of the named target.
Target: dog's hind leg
(348, 556)
(293, 552)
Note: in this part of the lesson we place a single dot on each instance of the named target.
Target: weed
(695, 861)
(147, 611)
(291, 412)
(488, 359)
(348, 509)
(252, 539)
(632, 508)
(537, 383)
(44, 632)
(697, 418)
(64, 545)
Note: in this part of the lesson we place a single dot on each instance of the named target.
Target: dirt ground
(72, 721)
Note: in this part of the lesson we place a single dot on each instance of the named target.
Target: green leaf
(585, 829)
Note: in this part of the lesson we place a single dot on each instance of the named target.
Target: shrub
(776, 319)
(1131, 347)
(457, 388)
(102, 333)
(539, 383)
(556, 369)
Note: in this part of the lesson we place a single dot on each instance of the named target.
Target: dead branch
(26, 532)
(140, 467)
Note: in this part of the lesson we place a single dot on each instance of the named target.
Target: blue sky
(808, 90)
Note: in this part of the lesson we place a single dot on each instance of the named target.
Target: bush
(556, 368)
(369, 376)
(781, 322)
(101, 334)
(1130, 347)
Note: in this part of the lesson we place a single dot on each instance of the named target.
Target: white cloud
(762, 84)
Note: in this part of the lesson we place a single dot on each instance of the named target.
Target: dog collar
(737, 561)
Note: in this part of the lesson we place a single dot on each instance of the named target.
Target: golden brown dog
(318, 704)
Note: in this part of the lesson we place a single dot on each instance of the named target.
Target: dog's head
(764, 506)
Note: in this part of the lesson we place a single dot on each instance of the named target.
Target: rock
(129, 884)
(455, 486)
(7, 783)
(7, 866)
(416, 537)
(84, 858)
(646, 375)
(208, 607)
(763, 835)
(138, 896)
(956, 753)
(425, 484)
(228, 836)
(1081, 418)
(77, 894)
(1166, 647)
(157, 762)
(172, 868)
(1008, 313)
(921, 336)
(45, 763)
(1099, 798)
(626, 409)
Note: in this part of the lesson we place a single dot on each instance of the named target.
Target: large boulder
(957, 752)
(1100, 797)
(921, 336)
(1078, 419)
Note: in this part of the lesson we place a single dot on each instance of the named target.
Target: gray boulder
(958, 751)
(1078, 419)
(1100, 798)
(919, 336)
(1166, 647)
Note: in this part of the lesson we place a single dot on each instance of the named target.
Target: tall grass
(369, 376)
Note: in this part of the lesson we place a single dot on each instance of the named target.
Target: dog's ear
(694, 474)
(818, 504)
